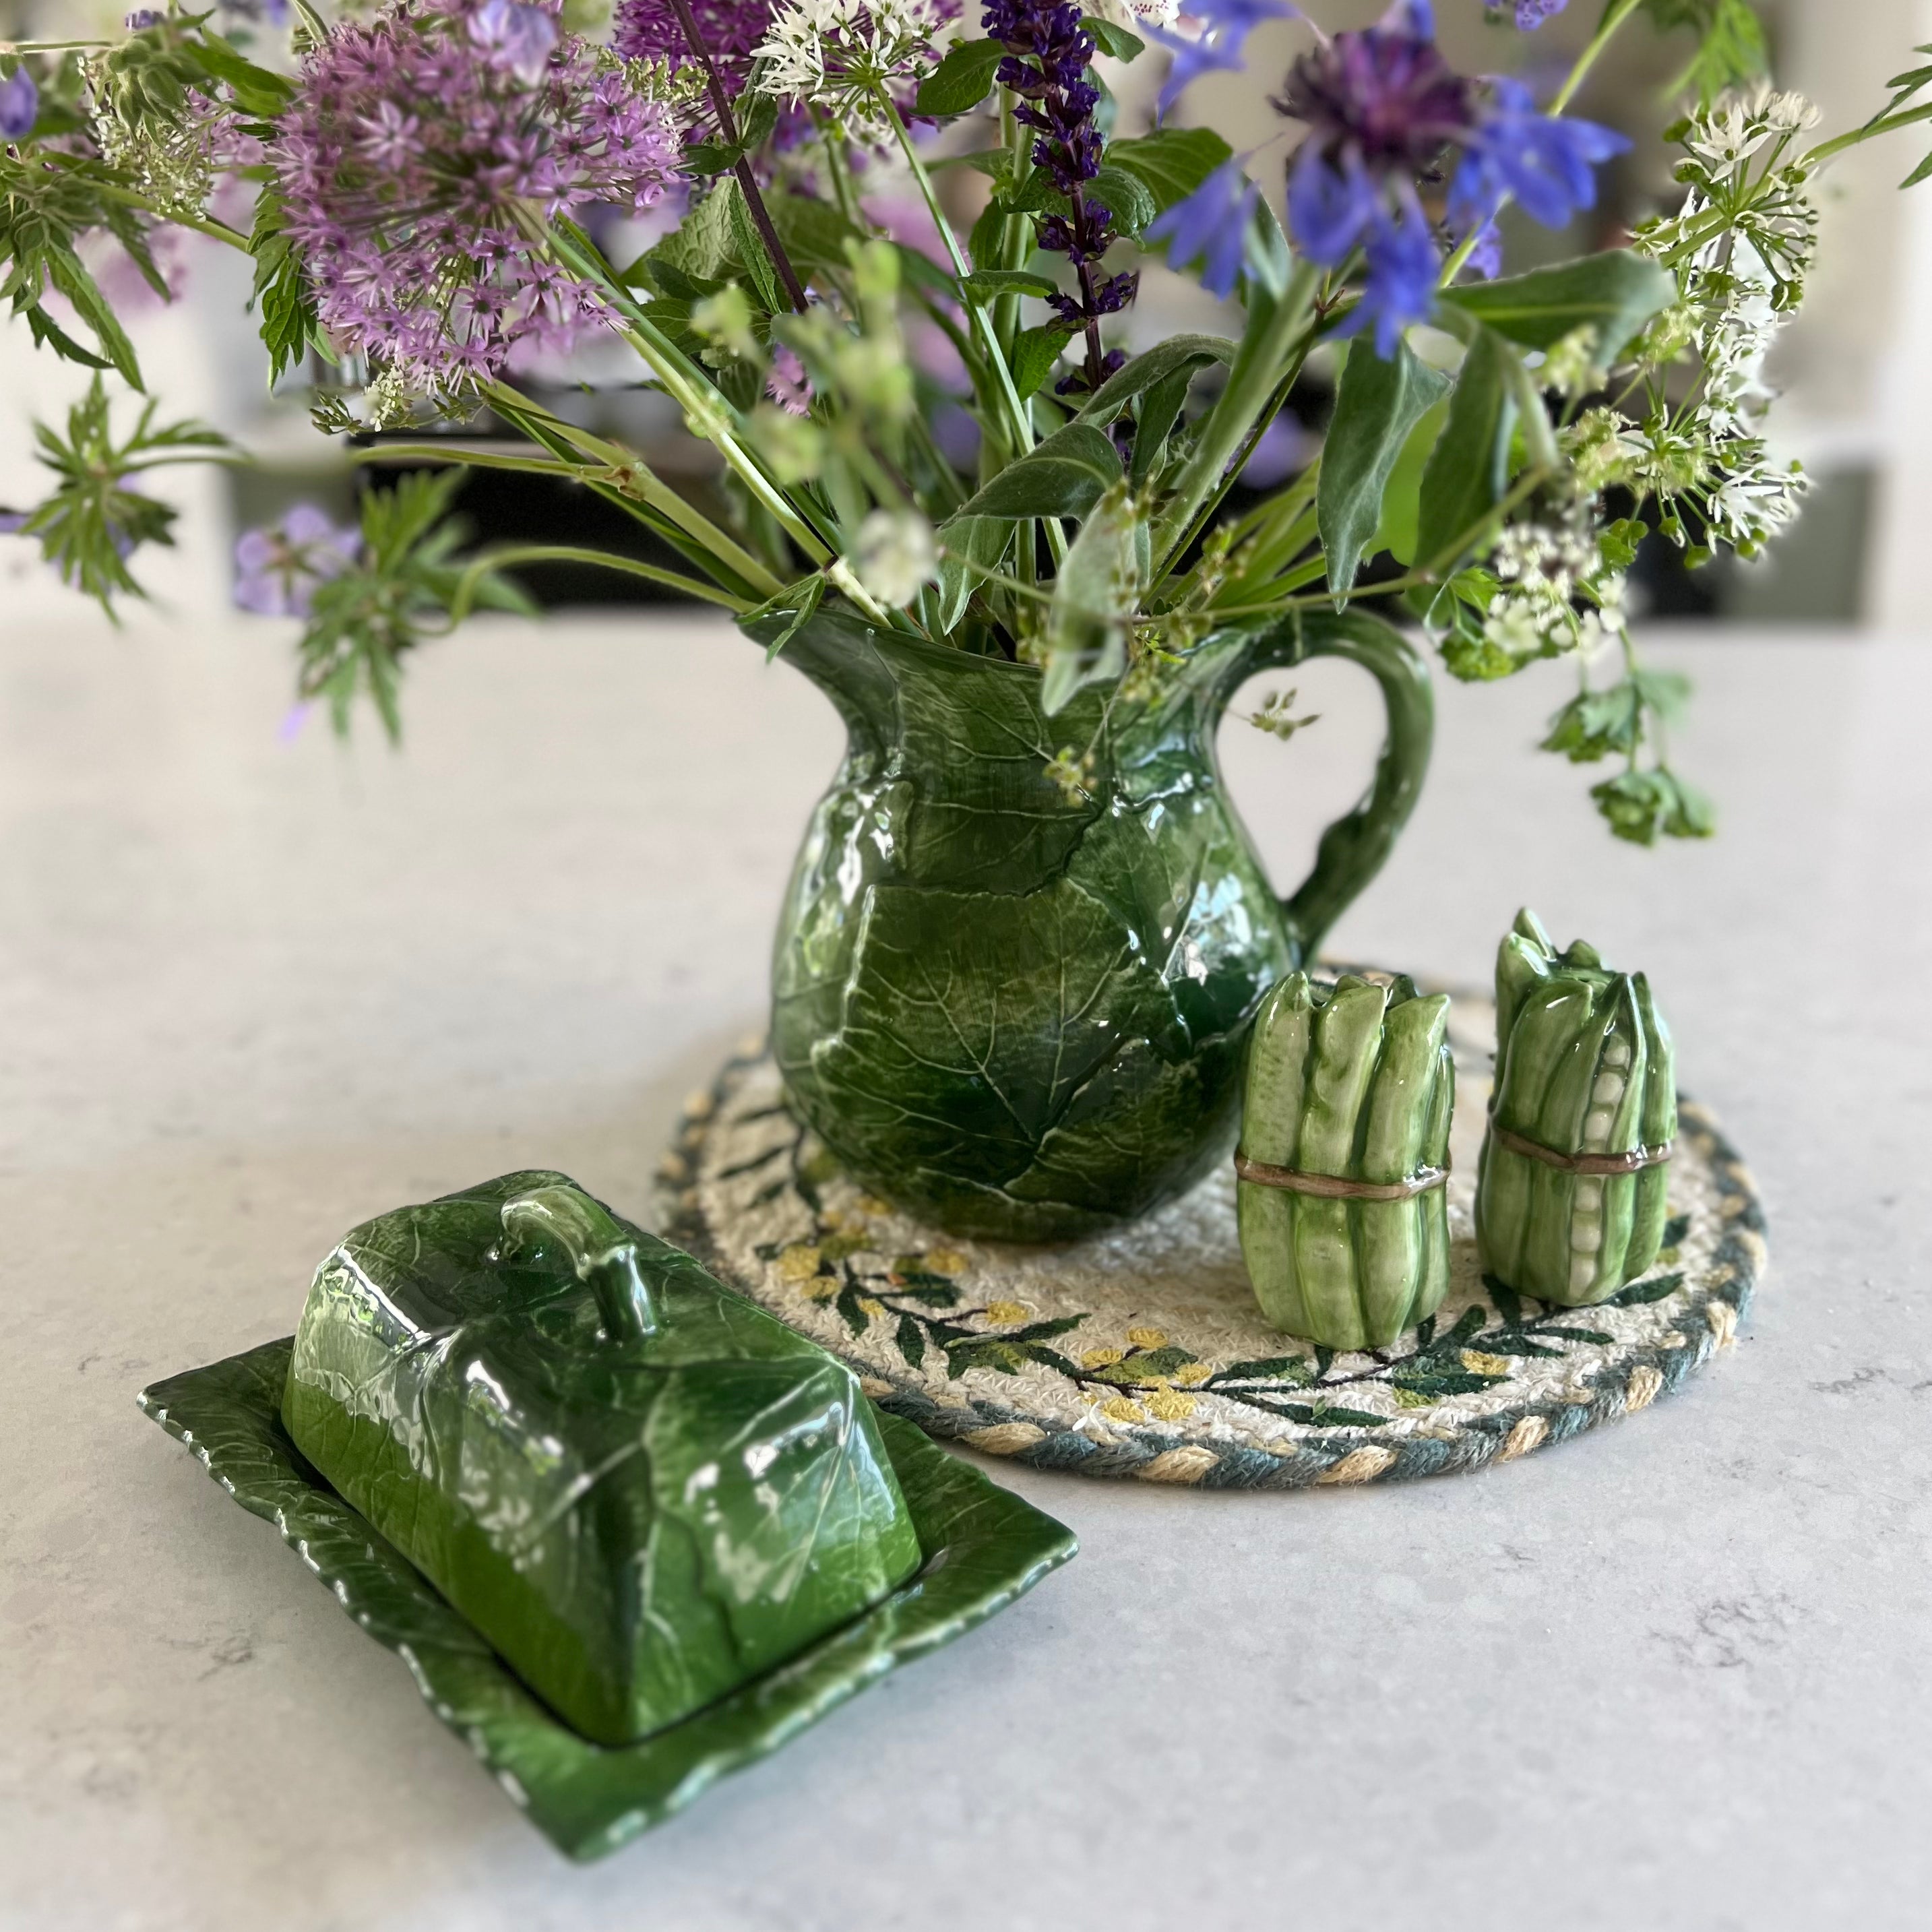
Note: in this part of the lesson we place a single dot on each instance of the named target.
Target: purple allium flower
(1531, 14)
(143, 18)
(19, 105)
(519, 38)
(13, 522)
(1212, 222)
(1547, 163)
(413, 156)
(1226, 25)
(278, 568)
(730, 29)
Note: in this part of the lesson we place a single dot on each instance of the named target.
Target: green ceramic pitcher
(1019, 1011)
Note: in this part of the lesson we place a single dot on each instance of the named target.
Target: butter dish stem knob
(603, 1255)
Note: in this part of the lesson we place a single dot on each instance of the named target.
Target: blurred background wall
(1855, 370)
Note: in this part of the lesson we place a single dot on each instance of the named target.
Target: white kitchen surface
(1672, 1675)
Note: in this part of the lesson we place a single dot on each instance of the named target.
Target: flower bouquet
(882, 259)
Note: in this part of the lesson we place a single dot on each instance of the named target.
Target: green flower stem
(498, 559)
(1614, 17)
(727, 129)
(705, 411)
(1259, 362)
(1014, 233)
(628, 473)
(217, 231)
(1881, 124)
(1020, 423)
(1276, 404)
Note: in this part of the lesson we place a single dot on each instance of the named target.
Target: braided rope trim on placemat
(1690, 1318)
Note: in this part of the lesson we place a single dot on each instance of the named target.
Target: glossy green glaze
(1016, 1008)
(982, 1547)
(1354, 1081)
(1584, 1066)
(642, 1490)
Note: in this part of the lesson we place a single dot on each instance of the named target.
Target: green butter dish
(638, 1488)
(714, 1582)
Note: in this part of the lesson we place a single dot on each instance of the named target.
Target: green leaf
(1173, 162)
(1468, 469)
(912, 1343)
(1178, 353)
(256, 90)
(1113, 41)
(1638, 1292)
(813, 231)
(1616, 294)
(1675, 1229)
(1126, 196)
(1596, 723)
(1594, 1335)
(1731, 47)
(961, 80)
(1035, 352)
(1272, 1368)
(1064, 476)
(1096, 592)
(69, 274)
(1640, 806)
(986, 283)
(1509, 1303)
(1379, 404)
(752, 252)
(966, 542)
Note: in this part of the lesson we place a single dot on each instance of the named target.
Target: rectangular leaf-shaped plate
(984, 1547)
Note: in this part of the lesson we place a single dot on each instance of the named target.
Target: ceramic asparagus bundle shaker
(1571, 1197)
(640, 1489)
(1344, 1148)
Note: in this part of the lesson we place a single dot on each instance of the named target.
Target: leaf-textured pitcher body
(1015, 1003)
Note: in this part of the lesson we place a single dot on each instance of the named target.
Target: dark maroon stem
(727, 129)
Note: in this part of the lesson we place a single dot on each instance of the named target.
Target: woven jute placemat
(1141, 1352)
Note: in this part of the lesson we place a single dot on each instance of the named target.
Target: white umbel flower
(895, 556)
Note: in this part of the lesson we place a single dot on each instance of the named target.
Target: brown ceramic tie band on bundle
(1335, 1186)
(1604, 1164)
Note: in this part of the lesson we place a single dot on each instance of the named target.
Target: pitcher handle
(1353, 848)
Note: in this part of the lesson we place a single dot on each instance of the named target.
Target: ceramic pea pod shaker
(1344, 1149)
(1571, 1197)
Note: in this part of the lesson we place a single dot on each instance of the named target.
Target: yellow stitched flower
(1478, 1363)
(1100, 1358)
(945, 1261)
(824, 1289)
(870, 1307)
(1191, 1375)
(1117, 1408)
(1169, 1404)
(871, 1204)
(1148, 1338)
(797, 1262)
(1004, 1314)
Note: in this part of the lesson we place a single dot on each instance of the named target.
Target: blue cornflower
(1212, 222)
(1400, 287)
(19, 105)
(1330, 207)
(1485, 258)
(1225, 26)
(1547, 164)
